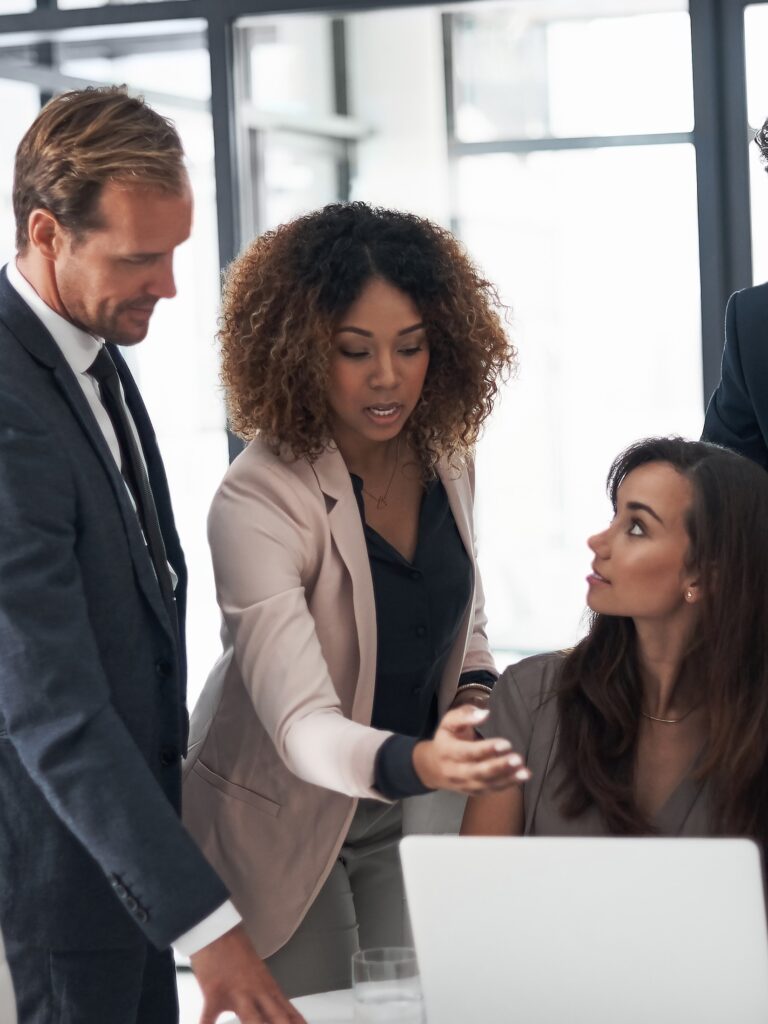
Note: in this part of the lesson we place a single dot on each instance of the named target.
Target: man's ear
(45, 233)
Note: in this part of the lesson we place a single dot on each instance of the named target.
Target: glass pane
(596, 251)
(17, 6)
(288, 63)
(20, 103)
(532, 71)
(756, 39)
(177, 365)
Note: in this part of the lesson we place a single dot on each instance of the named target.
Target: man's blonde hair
(80, 141)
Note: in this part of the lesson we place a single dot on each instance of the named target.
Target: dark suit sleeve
(55, 698)
(732, 418)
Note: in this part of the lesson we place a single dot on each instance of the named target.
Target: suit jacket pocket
(247, 796)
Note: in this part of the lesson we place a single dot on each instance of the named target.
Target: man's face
(110, 278)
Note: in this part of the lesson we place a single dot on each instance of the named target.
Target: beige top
(524, 709)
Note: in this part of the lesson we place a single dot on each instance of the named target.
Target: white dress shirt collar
(78, 347)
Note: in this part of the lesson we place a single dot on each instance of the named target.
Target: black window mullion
(722, 168)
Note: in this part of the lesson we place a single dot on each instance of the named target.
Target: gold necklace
(669, 721)
(381, 499)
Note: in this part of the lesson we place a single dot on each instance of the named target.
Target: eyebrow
(369, 334)
(638, 506)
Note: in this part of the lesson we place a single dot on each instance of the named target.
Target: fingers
(463, 721)
(268, 1010)
(479, 750)
(497, 773)
(270, 1007)
(482, 766)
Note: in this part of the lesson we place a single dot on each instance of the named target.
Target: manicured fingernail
(523, 775)
(501, 745)
(479, 714)
(515, 760)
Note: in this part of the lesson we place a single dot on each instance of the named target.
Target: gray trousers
(361, 905)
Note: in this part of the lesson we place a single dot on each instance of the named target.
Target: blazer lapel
(33, 336)
(347, 532)
(461, 513)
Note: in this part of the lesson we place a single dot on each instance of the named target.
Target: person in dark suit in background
(737, 415)
(98, 877)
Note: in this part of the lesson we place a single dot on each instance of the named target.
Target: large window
(580, 203)
(591, 155)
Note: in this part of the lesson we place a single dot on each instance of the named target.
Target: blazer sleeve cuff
(394, 774)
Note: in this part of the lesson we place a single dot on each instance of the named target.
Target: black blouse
(420, 605)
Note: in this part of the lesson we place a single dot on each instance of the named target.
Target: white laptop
(588, 931)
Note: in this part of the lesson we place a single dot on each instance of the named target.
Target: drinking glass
(386, 986)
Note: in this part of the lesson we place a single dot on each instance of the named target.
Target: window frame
(719, 134)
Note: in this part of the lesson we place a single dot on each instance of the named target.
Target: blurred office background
(592, 154)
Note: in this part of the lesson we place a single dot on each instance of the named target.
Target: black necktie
(134, 473)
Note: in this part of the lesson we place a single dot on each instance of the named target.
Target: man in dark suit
(97, 875)
(737, 415)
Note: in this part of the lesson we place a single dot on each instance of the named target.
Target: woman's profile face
(379, 361)
(639, 567)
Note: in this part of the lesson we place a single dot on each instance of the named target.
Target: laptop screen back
(588, 931)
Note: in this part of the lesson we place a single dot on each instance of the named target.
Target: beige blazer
(280, 743)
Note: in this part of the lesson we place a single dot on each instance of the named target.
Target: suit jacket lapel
(33, 336)
(347, 532)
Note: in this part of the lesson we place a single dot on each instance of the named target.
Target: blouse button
(415, 574)
(421, 630)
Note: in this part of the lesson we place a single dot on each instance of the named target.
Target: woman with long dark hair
(657, 721)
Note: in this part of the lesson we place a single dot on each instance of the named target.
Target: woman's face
(639, 565)
(379, 360)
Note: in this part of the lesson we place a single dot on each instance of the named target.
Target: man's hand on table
(233, 977)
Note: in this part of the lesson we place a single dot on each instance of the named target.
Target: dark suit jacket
(737, 415)
(92, 681)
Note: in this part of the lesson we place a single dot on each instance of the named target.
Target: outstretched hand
(233, 977)
(456, 760)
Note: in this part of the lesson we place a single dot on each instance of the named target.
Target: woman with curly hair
(361, 353)
(656, 722)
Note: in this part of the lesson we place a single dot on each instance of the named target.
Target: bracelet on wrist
(488, 690)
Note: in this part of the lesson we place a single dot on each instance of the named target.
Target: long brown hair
(600, 689)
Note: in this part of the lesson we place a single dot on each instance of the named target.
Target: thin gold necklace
(669, 721)
(381, 499)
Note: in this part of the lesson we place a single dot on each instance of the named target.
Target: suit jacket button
(120, 889)
(164, 668)
(131, 903)
(168, 756)
(141, 915)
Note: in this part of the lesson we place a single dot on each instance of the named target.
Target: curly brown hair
(284, 297)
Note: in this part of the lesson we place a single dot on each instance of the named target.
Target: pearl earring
(689, 595)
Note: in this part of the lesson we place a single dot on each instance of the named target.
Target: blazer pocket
(246, 796)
